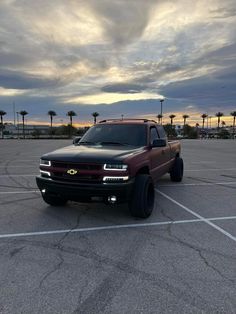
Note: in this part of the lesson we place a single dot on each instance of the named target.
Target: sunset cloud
(125, 55)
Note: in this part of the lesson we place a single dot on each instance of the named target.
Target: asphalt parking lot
(93, 258)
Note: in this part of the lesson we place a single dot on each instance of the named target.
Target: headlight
(115, 179)
(118, 167)
(45, 173)
(44, 162)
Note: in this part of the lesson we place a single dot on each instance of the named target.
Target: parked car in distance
(115, 161)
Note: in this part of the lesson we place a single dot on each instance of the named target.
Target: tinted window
(131, 134)
(153, 135)
(161, 132)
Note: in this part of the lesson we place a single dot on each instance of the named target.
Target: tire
(143, 197)
(177, 171)
(53, 200)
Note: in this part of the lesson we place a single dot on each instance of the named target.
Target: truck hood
(93, 154)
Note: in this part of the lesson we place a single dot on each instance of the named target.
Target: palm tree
(233, 114)
(2, 113)
(71, 114)
(172, 116)
(23, 113)
(159, 117)
(219, 115)
(185, 116)
(95, 115)
(204, 116)
(52, 114)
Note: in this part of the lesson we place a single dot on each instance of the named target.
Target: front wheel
(177, 171)
(53, 200)
(142, 202)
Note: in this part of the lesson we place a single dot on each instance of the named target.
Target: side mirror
(76, 140)
(159, 143)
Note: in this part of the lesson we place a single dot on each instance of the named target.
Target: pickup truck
(115, 161)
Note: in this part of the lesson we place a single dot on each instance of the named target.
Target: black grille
(75, 165)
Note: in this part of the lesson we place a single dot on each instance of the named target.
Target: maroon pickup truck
(115, 161)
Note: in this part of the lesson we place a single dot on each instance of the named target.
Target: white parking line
(22, 166)
(199, 184)
(206, 220)
(211, 169)
(20, 192)
(18, 175)
(114, 227)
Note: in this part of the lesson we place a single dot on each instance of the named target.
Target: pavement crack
(200, 253)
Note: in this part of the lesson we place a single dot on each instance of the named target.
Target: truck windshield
(115, 134)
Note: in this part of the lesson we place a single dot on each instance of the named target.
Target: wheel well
(143, 170)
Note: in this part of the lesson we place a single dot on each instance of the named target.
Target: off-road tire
(143, 197)
(177, 171)
(53, 200)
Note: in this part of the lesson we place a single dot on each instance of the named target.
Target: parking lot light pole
(161, 101)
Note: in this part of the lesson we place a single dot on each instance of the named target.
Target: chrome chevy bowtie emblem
(71, 171)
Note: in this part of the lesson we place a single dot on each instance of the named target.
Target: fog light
(43, 191)
(112, 199)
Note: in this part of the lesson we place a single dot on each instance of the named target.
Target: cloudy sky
(117, 57)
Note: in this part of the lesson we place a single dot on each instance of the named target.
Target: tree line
(51, 114)
(203, 116)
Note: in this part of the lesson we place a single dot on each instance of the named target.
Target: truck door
(158, 156)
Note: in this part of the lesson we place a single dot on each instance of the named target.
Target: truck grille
(76, 165)
(86, 173)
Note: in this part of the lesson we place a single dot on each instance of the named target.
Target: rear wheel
(142, 202)
(53, 200)
(177, 171)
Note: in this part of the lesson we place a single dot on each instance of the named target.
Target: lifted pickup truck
(115, 161)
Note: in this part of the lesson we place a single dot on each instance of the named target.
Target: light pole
(161, 101)
(17, 114)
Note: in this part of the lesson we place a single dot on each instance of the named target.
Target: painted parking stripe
(199, 184)
(211, 169)
(114, 227)
(18, 175)
(20, 192)
(207, 221)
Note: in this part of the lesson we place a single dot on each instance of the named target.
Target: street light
(17, 113)
(161, 101)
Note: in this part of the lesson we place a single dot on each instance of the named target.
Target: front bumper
(86, 192)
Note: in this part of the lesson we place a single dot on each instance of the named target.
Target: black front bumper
(86, 192)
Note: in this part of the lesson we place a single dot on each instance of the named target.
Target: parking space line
(20, 192)
(207, 221)
(211, 169)
(18, 175)
(22, 166)
(200, 184)
(114, 227)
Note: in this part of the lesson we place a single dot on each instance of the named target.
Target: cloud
(119, 53)
(123, 88)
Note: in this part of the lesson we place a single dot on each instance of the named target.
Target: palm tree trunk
(95, 120)
(203, 123)
(23, 120)
(2, 126)
(234, 125)
(51, 122)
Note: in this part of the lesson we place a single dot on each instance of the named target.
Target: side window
(161, 132)
(153, 135)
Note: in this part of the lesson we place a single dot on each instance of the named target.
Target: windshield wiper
(114, 143)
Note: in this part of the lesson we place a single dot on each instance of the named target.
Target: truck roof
(127, 121)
